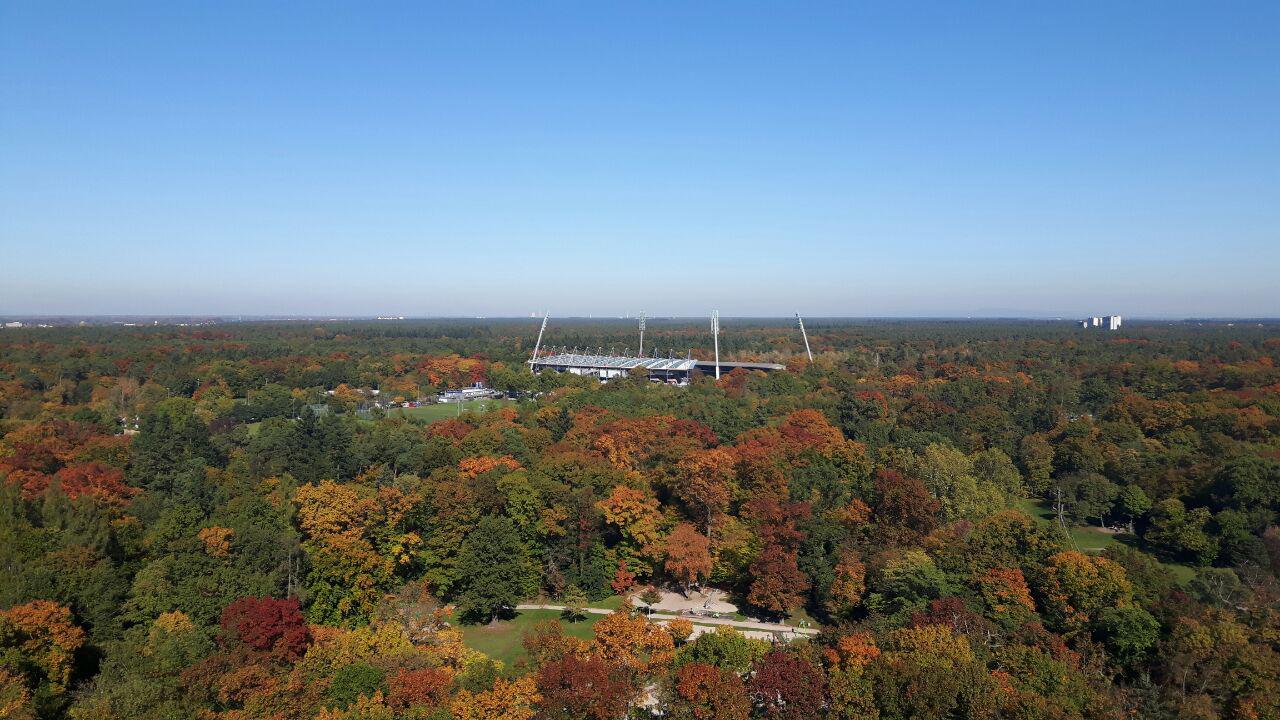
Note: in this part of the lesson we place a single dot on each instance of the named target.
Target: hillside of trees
(985, 520)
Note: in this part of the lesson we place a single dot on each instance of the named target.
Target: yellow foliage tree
(508, 700)
(633, 642)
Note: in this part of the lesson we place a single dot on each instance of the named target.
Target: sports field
(443, 411)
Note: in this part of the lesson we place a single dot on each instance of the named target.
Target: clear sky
(601, 158)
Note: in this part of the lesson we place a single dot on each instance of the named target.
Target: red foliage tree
(267, 625)
(573, 688)
(787, 687)
(809, 429)
(706, 692)
(904, 509)
(623, 579)
(94, 479)
(775, 519)
(778, 585)
(951, 612)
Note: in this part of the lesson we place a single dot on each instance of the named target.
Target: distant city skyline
(987, 159)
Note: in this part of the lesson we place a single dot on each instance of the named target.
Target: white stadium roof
(616, 362)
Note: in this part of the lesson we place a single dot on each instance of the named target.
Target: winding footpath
(698, 620)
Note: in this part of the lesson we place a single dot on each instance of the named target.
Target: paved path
(745, 624)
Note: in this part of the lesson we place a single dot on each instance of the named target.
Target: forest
(978, 519)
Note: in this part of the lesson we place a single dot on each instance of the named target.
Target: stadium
(674, 371)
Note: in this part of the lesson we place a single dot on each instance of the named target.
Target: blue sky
(760, 158)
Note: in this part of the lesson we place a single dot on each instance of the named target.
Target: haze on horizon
(501, 159)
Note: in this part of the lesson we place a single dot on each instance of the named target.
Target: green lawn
(1092, 540)
(613, 602)
(502, 641)
(801, 618)
(1086, 537)
(444, 411)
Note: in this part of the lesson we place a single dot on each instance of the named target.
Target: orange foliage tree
(43, 636)
(688, 555)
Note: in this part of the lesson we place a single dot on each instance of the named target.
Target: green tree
(1087, 495)
(1134, 503)
(495, 571)
(575, 603)
(354, 681)
(1180, 533)
(1248, 482)
(1129, 633)
(725, 648)
(950, 477)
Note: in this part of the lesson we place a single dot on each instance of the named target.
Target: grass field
(1093, 540)
(503, 640)
(613, 602)
(1085, 537)
(444, 411)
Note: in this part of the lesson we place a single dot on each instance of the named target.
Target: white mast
(715, 335)
(804, 335)
(538, 344)
(641, 352)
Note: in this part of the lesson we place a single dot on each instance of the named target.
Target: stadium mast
(538, 344)
(641, 352)
(715, 336)
(804, 335)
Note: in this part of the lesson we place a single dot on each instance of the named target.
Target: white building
(1110, 322)
(477, 391)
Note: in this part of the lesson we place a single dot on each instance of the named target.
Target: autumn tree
(38, 645)
(356, 539)
(930, 672)
(777, 584)
(633, 642)
(706, 692)
(1075, 588)
(635, 516)
(786, 686)
(507, 700)
(688, 555)
(904, 510)
(266, 625)
(1006, 596)
(574, 688)
(423, 687)
(705, 482)
(546, 642)
(849, 691)
(848, 585)
(623, 579)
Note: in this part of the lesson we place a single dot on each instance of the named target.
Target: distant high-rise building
(1110, 322)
